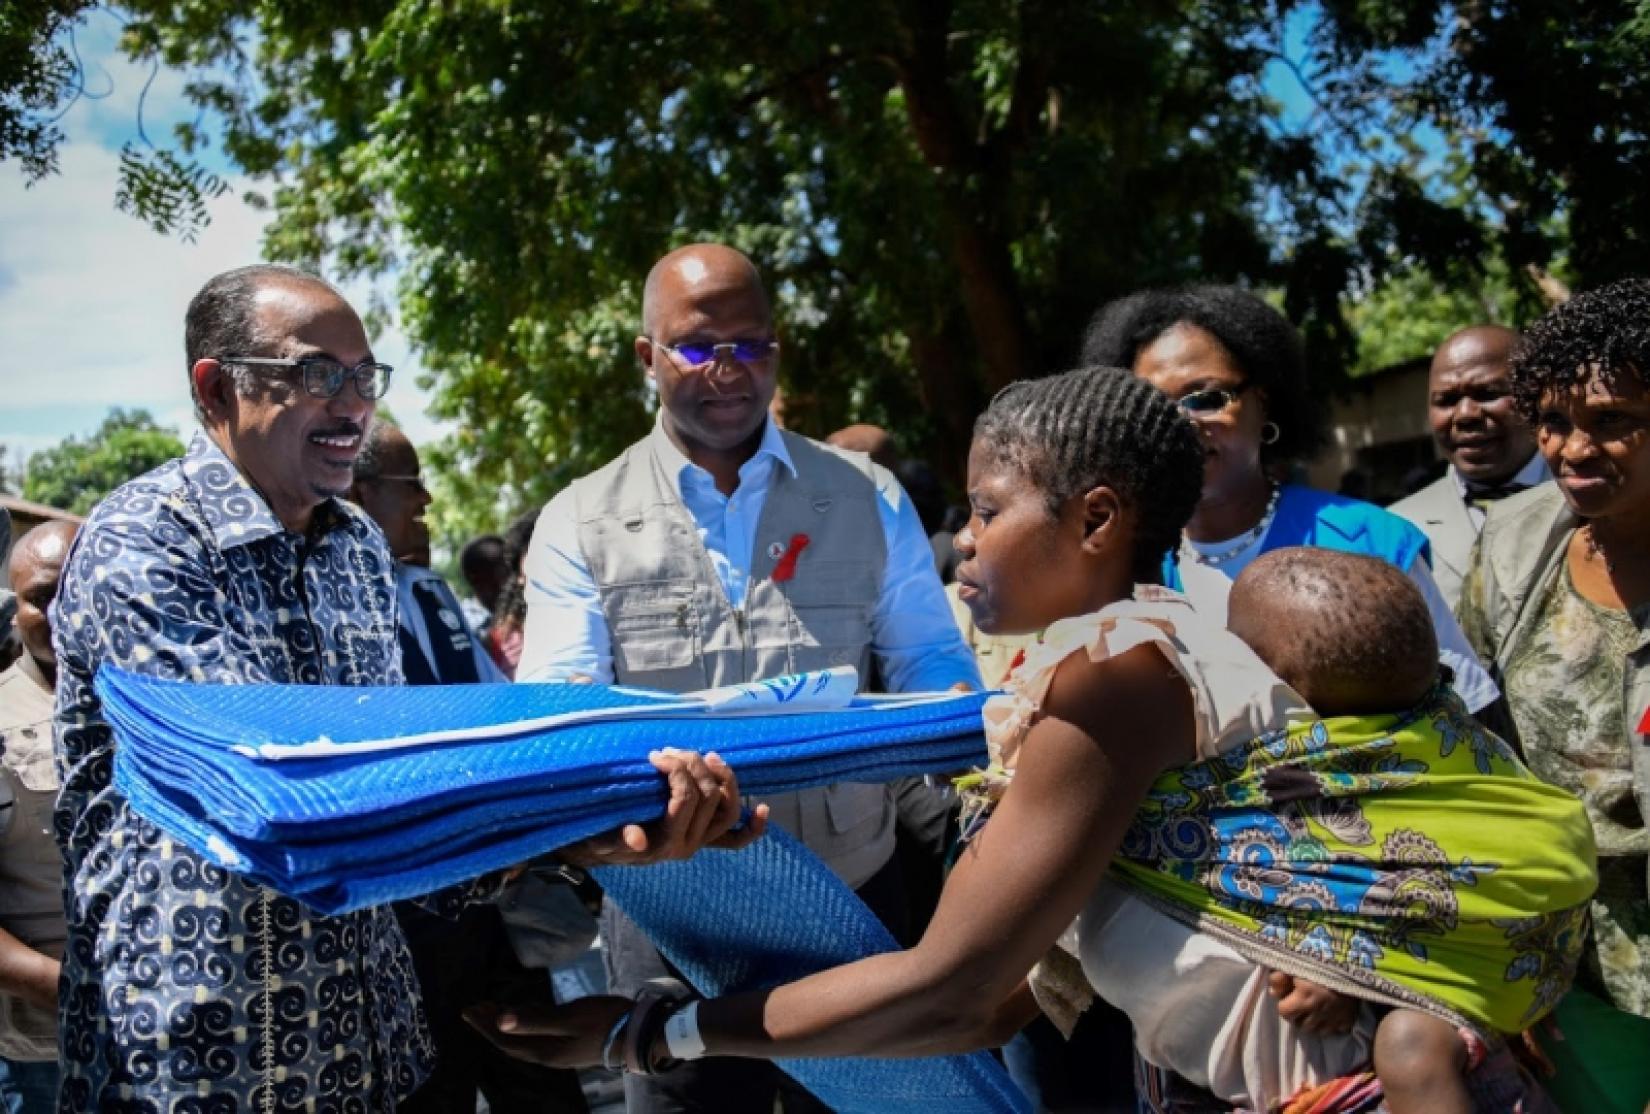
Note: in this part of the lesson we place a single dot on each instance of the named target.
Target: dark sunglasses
(745, 351)
(1209, 401)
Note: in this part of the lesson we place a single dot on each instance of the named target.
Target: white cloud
(92, 304)
(94, 312)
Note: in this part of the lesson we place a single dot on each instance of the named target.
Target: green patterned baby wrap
(1410, 859)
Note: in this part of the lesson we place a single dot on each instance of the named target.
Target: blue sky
(91, 300)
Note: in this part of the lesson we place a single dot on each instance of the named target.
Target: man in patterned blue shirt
(186, 987)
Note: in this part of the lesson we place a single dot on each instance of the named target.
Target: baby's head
(1349, 633)
(1074, 480)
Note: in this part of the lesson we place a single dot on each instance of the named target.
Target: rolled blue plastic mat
(345, 797)
(755, 938)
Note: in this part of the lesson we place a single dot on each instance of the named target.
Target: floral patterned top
(1564, 682)
(186, 988)
(1236, 696)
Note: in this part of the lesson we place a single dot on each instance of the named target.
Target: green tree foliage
(37, 72)
(940, 190)
(941, 193)
(1410, 312)
(42, 75)
(75, 475)
(1544, 107)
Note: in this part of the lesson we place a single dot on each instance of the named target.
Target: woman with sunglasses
(1235, 366)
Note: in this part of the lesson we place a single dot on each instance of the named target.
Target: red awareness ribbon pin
(785, 568)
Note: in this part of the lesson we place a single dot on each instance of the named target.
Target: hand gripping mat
(770, 914)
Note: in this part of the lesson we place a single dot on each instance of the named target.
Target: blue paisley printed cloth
(185, 987)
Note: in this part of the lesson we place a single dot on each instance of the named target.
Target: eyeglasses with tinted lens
(745, 351)
(416, 482)
(324, 377)
(1209, 401)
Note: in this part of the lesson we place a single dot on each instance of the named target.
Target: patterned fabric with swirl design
(185, 987)
(1406, 858)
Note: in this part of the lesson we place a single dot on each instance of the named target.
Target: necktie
(1483, 495)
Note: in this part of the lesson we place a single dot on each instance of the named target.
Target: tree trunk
(952, 398)
(971, 186)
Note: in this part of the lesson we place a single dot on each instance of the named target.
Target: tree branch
(1031, 79)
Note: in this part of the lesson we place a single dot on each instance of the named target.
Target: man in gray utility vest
(720, 549)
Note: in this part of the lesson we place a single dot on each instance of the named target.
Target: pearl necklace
(1238, 544)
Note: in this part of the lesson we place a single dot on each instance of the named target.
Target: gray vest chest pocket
(831, 606)
(654, 625)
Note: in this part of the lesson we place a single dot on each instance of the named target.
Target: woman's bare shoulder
(1134, 696)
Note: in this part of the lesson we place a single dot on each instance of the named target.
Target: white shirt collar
(771, 450)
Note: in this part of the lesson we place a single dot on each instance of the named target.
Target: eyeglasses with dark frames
(324, 377)
(699, 355)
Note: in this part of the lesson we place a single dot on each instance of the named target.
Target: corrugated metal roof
(24, 508)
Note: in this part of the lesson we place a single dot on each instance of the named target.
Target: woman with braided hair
(1117, 726)
(1236, 367)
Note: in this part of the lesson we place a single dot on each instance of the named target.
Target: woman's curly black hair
(1261, 342)
(1603, 333)
(1102, 426)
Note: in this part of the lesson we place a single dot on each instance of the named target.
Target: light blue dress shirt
(913, 636)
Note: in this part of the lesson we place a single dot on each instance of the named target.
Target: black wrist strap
(658, 1000)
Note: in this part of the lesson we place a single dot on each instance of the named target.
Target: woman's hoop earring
(1269, 433)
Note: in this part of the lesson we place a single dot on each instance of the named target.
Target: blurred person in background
(872, 440)
(8, 602)
(31, 868)
(484, 568)
(1490, 449)
(437, 644)
(504, 633)
(1235, 366)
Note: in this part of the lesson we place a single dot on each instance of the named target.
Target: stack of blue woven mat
(346, 797)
